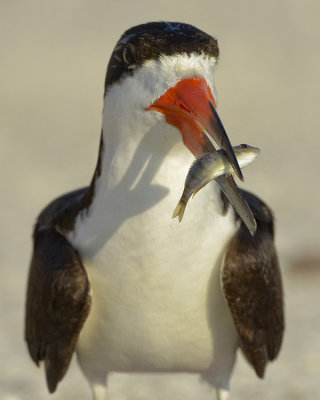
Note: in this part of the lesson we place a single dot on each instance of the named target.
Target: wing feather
(252, 286)
(58, 303)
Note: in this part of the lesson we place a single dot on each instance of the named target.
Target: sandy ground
(53, 61)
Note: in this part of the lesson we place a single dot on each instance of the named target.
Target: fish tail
(179, 210)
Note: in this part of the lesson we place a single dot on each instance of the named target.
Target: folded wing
(58, 303)
(252, 286)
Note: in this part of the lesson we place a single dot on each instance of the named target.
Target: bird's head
(164, 70)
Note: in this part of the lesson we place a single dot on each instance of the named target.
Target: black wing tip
(55, 371)
(260, 372)
(257, 357)
(37, 355)
(261, 366)
(52, 385)
(36, 352)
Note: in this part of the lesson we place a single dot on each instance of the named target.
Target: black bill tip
(233, 193)
(220, 136)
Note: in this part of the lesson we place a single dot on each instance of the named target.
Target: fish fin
(179, 210)
(194, 162)
(199, 188)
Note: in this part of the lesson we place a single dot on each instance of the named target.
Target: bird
(113, 278)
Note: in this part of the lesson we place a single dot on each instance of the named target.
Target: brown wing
(253, 289)
(58, 302)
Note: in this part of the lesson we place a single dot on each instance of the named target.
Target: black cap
(151, 40)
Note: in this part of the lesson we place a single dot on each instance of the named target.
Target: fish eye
(128, 56)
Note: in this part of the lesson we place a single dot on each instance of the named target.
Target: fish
(208, 167)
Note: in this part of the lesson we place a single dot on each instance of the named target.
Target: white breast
(157, 301)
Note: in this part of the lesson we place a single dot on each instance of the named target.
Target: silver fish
(208, 167)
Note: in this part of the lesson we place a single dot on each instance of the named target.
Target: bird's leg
(223, 394)
(218, 384)
(99, 391)
(98, 386)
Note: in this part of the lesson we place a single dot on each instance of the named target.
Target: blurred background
(53, 62)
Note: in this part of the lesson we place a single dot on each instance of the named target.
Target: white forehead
(155, 77)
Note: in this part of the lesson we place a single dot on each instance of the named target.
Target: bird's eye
(128, 56)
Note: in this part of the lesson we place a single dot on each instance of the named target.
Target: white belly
(157, 300)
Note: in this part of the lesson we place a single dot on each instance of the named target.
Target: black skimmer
(113, 277)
